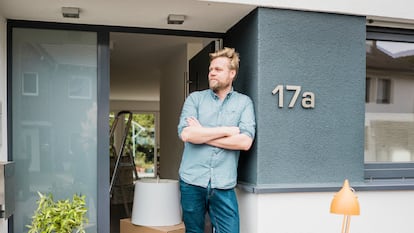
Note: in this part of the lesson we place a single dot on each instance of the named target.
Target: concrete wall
(324, 54)
(3, 114)
(308, 148)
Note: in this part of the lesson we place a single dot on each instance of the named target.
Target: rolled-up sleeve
(247, 124)
(189, 110)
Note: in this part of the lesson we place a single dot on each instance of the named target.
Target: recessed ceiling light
(70, 12)
(176, 19)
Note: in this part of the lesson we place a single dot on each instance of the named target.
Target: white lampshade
(156, 203)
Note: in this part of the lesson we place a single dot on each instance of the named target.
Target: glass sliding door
(54, 119)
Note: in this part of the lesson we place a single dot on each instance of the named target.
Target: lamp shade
(156, 203)
(345, 201)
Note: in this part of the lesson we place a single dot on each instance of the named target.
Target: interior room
(148, 77)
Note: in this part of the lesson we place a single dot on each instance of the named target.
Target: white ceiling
(134, 51)
(136, 63)
(200, 15)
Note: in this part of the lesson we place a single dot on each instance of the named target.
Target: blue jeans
(221, 205)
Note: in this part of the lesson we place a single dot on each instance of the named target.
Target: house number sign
(308, 98)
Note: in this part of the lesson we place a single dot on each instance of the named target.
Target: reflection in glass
(383, 91)
(54, 120)
(389, 117)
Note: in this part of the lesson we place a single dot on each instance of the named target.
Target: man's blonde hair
(231, 54)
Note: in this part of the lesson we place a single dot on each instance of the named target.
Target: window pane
(143, 143)
(368, 89)
(54, 124)
(383, 91)
(140, 142)
(389, 118)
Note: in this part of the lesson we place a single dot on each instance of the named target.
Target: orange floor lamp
(345, 202)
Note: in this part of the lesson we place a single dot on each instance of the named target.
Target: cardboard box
(127, 227)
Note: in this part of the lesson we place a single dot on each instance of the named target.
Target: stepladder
(123, 173)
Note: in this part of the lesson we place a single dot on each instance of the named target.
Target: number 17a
(308, 98)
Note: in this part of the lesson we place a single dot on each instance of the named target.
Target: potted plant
(62, 216)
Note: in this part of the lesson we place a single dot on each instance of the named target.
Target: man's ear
(233, 74)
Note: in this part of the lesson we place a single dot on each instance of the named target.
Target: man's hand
(192, 121)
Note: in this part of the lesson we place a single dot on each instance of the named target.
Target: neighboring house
(332, 84)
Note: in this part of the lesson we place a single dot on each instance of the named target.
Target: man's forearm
(234, 142)
(199, 135)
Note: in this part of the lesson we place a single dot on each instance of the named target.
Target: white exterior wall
(3, 124)
(381, 212)
(396, 10)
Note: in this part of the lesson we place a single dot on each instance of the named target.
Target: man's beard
(216, 85)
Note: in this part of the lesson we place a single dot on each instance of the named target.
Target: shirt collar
(216, 97)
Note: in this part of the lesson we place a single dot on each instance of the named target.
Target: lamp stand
(345, 224)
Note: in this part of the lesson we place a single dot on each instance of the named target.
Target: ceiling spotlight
(176, 19)
(70, 12)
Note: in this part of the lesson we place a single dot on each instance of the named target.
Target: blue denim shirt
(202, 163)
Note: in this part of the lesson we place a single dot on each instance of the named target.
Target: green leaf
(62, 216)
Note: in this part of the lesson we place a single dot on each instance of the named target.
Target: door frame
(102, 108)
(103, 90)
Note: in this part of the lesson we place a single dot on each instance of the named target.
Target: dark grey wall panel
(324, 54)
(244, 37)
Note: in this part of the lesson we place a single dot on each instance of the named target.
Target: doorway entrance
(59, 105)
(149, 75)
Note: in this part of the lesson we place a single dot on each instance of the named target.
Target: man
(215, 125)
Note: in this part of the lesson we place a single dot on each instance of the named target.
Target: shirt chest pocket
(230, 117)
(223, 117)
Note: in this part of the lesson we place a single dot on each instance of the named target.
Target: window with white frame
(389, 103)
(378, 90)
